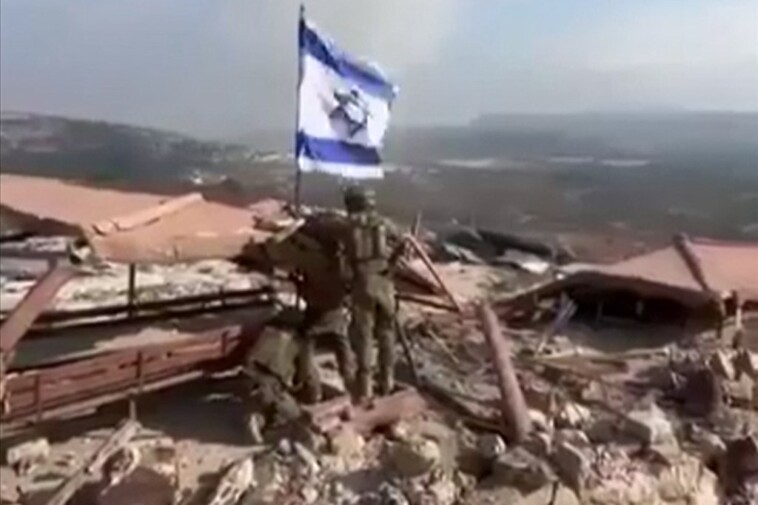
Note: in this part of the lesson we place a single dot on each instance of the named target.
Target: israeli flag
(343, 110)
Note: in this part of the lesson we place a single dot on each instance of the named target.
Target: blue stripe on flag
(335, 151)
(367, 78)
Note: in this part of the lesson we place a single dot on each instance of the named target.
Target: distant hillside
(101, 151)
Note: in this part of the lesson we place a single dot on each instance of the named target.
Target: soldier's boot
(307, 371)
(385, 333)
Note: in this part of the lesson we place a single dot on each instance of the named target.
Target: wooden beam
(118, 439)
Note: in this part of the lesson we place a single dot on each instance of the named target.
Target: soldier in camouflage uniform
(312, 252)
(372, 291)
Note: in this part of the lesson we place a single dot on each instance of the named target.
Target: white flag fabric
(343, 110)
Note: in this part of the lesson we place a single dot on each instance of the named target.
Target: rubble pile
(524, 414)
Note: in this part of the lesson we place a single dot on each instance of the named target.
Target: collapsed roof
(693, 272)
(143, 228)
(131, 227)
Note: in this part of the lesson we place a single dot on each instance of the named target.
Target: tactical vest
(369, 250)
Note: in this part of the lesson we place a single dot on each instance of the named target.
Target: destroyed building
(497, 405)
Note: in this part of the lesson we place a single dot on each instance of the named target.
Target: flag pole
(298, 172)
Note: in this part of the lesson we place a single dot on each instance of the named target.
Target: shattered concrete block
(740, 392)
(540, 397)
(593, 392)
(415, 457)
(602, 431)
(540, 421)
(442, 491)
(309, 460)
(686, 480)
(650, 426)
(709, 445)
(346, 443)
(309, 494)
(539, 444)
(722, 365)
(24, 456)
(574, 437)
(390, 495)
(741, 458)
(490, 446)
(746, 362)
(572, 464)
(237, 479)
(521, 469)
(573, 415)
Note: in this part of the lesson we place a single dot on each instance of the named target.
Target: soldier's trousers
(332, 325)
(373, 321)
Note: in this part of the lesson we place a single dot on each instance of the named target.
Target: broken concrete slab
(649, 426)
(722, 365)
(521, 469)
(414, 457)
(573, 415)
(572, 463)
(24, 456)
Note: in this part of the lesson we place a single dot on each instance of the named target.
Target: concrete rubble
(510, 407)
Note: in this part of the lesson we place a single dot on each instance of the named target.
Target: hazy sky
(226, 67)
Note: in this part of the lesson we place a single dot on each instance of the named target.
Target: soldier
(312, 254)
(369, 263)
(326, 313)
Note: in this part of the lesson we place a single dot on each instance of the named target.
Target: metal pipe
(131, 300)
(513, 406)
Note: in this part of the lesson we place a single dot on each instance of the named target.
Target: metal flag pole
(298, 172)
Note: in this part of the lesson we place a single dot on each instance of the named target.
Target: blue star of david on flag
(343, 110)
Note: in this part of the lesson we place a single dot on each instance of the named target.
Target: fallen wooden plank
(437, 277)
(31, 306)
(118, 439)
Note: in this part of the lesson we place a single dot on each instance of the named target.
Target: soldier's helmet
(358, 199)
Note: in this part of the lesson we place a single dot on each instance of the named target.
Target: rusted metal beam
(31, 306)
(513, 406)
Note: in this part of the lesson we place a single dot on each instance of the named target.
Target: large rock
(490, 446)
(24, 456)
(572, 463)
(687, 481)
(573, 415)
(603, 430)
(740, 392)
(539, 444)
(521, 469)
(722, 365)
(574, 437)
(540, 397)
(650, 426)
(746, 362)
(346, 443)
(414, 457)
